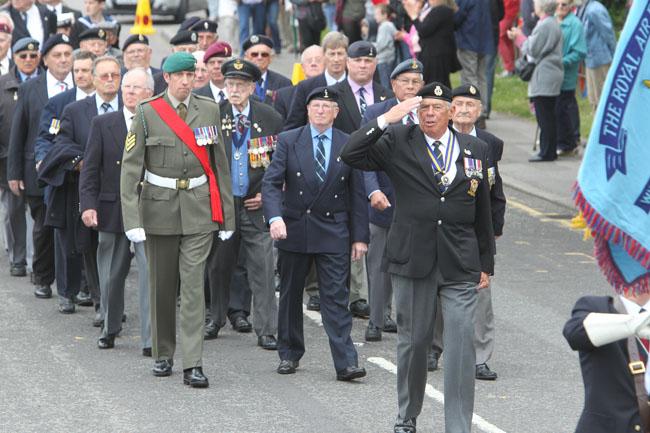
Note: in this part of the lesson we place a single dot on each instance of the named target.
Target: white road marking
(430, 391)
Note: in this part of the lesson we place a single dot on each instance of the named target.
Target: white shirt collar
(246, 111)
(472, 132)
(331, 80)
(444, 139)
(82, 95)
(632, 307)
(99, 101)
(52, 83)
(264, 75)
(216, 89)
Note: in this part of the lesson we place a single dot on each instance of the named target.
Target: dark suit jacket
(48, 21)
(298, 110)
(270, 123)
(378, 180)
(159, 83)
(274, 81)
(52, 110)
(32, 97)
(497, 196)
(610, 396)
(349, 117)
(99, 181)
(451, 232)
(282, 102)
(9, 85)
(325, 218)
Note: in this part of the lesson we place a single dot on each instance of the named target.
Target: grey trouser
(474, 72)
(380, 288)
(172, 259)
(113, 264)
(483, 328)
(14, 226)
(415, 305)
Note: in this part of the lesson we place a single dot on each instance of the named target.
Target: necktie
(362, 101)
(259, 89)
(23, 15)
(320, 158)
(409, 119)
(106, 107)
(437, 154)
(63, 86)
(181, 109)
(222, 96)
(242, 124)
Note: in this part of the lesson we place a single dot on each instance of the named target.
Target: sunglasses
(265, 55)
(30, 55)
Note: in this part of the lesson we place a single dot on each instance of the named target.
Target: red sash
(186, 134)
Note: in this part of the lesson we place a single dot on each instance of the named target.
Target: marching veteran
(186, 195)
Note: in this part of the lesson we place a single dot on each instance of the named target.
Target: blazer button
(308, 211)
(298, 174)
(300, 192)
(336, 196)
(342, 177)
(327, 214)
(117, 162)
(439, 222)
(637, 427)
(442, 199)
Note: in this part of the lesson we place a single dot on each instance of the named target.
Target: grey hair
(547, 6)
(149, 84)
(101, 59)
(302, 56)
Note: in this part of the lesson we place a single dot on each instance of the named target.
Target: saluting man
(250, 127)
(186, 195)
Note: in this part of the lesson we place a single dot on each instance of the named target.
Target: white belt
(173, 183)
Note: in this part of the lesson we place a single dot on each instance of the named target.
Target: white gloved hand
(136, 235)
(606, 328)
(224, 235)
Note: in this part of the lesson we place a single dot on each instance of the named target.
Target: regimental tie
(222, 96)
(242, 124)
(410, 120)
(181, 110)
(63, 86)
(437, 154)
(362, 101)
(320, 158)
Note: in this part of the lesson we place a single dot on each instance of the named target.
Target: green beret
(178, 62)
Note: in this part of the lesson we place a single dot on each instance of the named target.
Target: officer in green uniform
(175, 151)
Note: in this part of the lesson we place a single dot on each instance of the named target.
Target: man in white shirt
(31, 19)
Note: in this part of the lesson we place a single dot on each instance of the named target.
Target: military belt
(174, 183)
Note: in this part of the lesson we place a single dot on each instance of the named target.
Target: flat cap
(410, 65)
(240, 68)
(204, 26)
(4, 28)
(24, 44)
(361, 49)
(178, 62)
(218, 49)
(257, 39)
(135, 39)
(54, 40)
(188, 23)
(184, 37)
(436, 90)
(93, 33)
(466, 90)
(323, 94)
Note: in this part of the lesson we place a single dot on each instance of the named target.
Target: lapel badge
(370, 131)
(382, 97)
(437, 91)
(473, 187)
(472, 90)
(467, 151)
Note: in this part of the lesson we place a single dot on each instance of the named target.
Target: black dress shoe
(106, 341)
(360, 308)
(66, 306)
(350, 373)
(146, 351)
(18, 271)
(432, 362)
(241, 324)
(163, 367)
(405, 426)
(483, 372)
(195, 378)
(43, 291)
(83, 299)
(287, 367)
(390, 325)
(373, 333)
(211, 330)
(267, 342)
(314, 303)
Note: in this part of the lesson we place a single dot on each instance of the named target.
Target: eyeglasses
(406, 81)
(109, 76)
(256, 54)
(30, 55)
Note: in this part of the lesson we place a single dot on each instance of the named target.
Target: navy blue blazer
(282, 102)
(99, 180)
(21, 165)
(325, 218)
(610, 396)
(275, 81)
(349, 118)
(378, 180)
(297, 109)
(52, 110)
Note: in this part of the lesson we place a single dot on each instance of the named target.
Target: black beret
(204, 26)
(323, 93)
(184, 37)
(188, 23)
(410, 65)
(55, 39)
(466, 90)
(240, 68)
(257, 39)
(23, 44)
(436, 90)
(135, 39)
(361, 49)
(93, 33)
